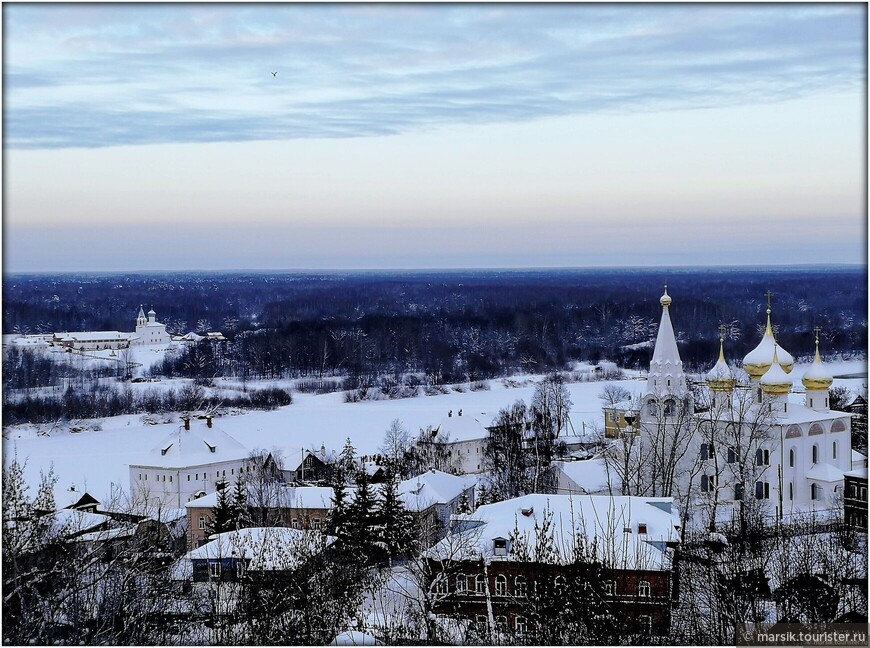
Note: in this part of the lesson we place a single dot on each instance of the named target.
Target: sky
(156, 137)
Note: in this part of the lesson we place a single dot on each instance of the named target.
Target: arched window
(815, 453)
(560, 582)
(441, 585)
(815, 429)
(838, 426)
(520, 625)
(652, 408)
(834, 450)
(480, 584)
(521, 587)
(500, 585)
(643, 588)
(793, 432)
(462, 583)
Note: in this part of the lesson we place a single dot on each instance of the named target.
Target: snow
(301, 497)
(463, 428)
(433, 487)
(825, 472)
(267, 548)
(354, 638)
(599, 518)
(97, 460)
(200, 445)
(591, 475)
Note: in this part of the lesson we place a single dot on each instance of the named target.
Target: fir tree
(346, 465)
(241, 515)
(395, 522)
(463, 506)
(362, 534)
(223, 515)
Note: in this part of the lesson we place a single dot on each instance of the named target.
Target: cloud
(97, 75)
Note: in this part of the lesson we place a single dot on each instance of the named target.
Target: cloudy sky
(423, 136)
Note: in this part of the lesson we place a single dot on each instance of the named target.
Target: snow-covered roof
(591, 474)
(860, 472)
(463, 428)
(71, 521)
(108, 534)
(267, 548)
(858, 460)
(757, 361)
(90, 336)
(825, 472)
(608, 525)
(200, 445)
(433, 487)
(301, 497)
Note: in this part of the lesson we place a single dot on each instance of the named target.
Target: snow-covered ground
(95, 460)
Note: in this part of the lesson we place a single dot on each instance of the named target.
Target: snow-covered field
(95, 460)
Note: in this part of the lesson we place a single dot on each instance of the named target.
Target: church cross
(768, 294)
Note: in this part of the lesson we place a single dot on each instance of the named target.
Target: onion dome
(720, 378)
(666, 298)
(151, 313)
(775, 381)
(758, 361)
(817, 376)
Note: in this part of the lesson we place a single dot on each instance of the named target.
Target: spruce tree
(395, 522)
(222, 515)
(241, 515)
(362, 532)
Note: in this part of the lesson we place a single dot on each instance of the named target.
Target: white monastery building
(150, 331)
(189, 463)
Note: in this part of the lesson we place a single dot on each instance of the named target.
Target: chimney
(187, 424)
(208, 421)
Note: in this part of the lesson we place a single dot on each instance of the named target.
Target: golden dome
(817, 376)
(720, 378)
(666, 298)
(758, 361)
(775, 380)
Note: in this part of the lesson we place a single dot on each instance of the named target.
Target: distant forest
(453, 325)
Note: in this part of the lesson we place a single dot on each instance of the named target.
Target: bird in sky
(274, 74)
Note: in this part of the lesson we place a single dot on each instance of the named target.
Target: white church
(149, 330)
(755, 440)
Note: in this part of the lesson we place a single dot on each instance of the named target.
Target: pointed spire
(817, 376)
(720, 378)
(666, 369)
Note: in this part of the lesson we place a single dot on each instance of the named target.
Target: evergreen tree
(223, 514)
(362, 532)
(337, 524)
(346, 464)
(396, 523)
(239, 505)
(463, 507)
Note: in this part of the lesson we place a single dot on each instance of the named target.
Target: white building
(94, 340)
(756, 443)
(466, 442)
(150, 331)
(187, 464)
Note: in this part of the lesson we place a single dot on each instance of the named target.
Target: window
(641, 527)
(706, 451)
(521, 587)
(609, 588)
(294, 523)
(791, 458)
(501, 622)
(462, 583)
(653, 408)
(762, 490)
(520, 625)
(241, 568)
(732, 456)
(201, 522)
(188, 478)
(643, 588)
(762, 457)
(500, 585)
(815, 453)
(316, 524)
(441, 585)
(499, 546)
(815, 492)
(480, 584)
(214, 569)
(738, 491)
(170, 479)
(834, 450)
(560, 582)
(645, 624)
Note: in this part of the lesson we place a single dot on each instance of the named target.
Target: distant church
(150, 331)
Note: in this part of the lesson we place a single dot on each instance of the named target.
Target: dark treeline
(456, 325)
